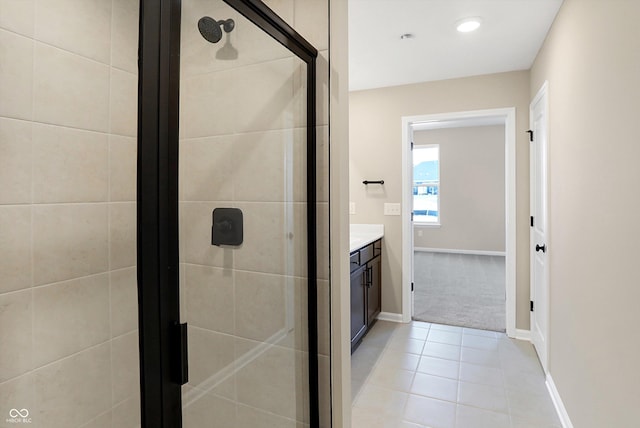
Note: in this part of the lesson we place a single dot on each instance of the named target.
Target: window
(426, 184)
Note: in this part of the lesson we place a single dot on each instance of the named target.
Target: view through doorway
(459, 184)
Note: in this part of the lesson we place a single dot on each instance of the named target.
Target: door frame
(162, 339)
(506, 116)
(542, 96)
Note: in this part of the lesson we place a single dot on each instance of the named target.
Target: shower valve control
(227, 227)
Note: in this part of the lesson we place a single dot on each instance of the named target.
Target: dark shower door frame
(163, 363)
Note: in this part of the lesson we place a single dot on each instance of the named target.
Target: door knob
(542, 248)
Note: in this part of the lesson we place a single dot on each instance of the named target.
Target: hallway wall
(385, 107)
(591, 59)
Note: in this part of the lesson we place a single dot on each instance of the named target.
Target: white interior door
(539, 225)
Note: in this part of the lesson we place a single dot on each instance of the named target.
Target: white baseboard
(557, 402)
(523, 334)
(390, 316)
(444, 250)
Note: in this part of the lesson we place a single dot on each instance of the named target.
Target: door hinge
(411, 215)
(531, 221)
(530, 132)
(412, 286)
(412, 145)
(531, 305)
(180, 360)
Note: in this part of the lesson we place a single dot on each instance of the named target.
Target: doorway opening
(440, 254)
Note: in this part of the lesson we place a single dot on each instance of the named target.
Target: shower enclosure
(160, 229)
(236, 183)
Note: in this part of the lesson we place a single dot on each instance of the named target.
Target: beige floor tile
(483, 396)
(490, 381)
(435, 387)
(441, 350)
(430, 412)
(439, 367)
(471, 417)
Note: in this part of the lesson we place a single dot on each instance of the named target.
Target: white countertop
(361, 235)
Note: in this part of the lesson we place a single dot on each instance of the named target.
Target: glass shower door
(244, 225)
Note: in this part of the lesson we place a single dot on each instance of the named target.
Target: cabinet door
(358, 309)
(374, 289)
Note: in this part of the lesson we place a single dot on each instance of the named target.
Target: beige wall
(375, 152)
(68, 302)
(591, 59)
(472, 188)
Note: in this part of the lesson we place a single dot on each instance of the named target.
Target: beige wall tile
(210, 298)
(15, 334)
(124, 103)
(322, 233)
(15, 162)
(209, 106)
(312, 21)
(74, 390)
(275, 239)
(18, 394)
(211, 358)
(69, 165)
(70, 90)
(122, 232)
(123, 168)
(124, 35)
(266, 96)
(79, 26)
(250, 417)
(16, 75)
(18, 16)
(69, 317)
(275, 382)
(322, 164)
(102, 421)
(125, 367)
(206, 169)
(322, 88)
(270, 166)
(127, 414)
(72, 241)
(261, 305)
(15, 248)
(207, 408)
(195, 237)
(124, 301)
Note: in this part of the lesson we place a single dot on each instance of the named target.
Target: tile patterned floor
(438, 376)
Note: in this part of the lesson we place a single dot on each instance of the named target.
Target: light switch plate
(391, 209)
(352, 208)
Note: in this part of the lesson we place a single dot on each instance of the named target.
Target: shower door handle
(180, 359)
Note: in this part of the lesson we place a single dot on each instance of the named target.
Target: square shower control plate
(227, 227)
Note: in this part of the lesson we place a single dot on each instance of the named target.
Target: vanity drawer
(366, 254)
(354, 261)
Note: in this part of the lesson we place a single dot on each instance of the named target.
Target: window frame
(438, 222)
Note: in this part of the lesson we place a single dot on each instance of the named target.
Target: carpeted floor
(460, 289)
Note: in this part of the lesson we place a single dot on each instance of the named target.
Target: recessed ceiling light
(468, 24)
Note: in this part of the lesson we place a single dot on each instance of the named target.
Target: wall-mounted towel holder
(365, 182)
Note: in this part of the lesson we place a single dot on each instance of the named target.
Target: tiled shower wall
(242, 132)
(68, 303)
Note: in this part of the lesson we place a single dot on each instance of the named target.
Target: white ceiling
(511, 34)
